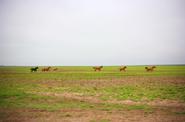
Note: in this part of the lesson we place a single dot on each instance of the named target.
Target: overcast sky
(92, 32)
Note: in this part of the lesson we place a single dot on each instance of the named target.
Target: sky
(92, 32)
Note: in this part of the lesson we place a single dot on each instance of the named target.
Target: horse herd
(46, 69)
(96, 68)
(123, 68)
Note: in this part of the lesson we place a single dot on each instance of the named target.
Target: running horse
(34, 69)
(97, 68)
(150, 69)
(55, 69)
(123, 68)
(46, 69)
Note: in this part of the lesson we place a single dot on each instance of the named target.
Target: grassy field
(76, 93)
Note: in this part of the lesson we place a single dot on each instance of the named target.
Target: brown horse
(122, 68)
(150, 69)
(97, 68)
(55, 69)
(46, 69)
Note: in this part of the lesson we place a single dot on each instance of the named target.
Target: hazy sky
(92, 32)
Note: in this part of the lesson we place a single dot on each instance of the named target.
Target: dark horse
(97, 68)
(34, 69)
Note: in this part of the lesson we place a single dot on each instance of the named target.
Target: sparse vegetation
(83, 89)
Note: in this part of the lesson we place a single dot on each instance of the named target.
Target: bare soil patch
(76, 115)
(95, 99)
(116, 81)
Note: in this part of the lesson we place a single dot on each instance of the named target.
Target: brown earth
(164, 110)
(116, 81)
(76, 115)
(94, 99)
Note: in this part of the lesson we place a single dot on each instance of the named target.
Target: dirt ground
(164, 110)
(75, 115)
(94, 99)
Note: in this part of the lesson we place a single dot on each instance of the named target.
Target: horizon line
(102, 65)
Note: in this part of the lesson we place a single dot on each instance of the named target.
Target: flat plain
(79, 94)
